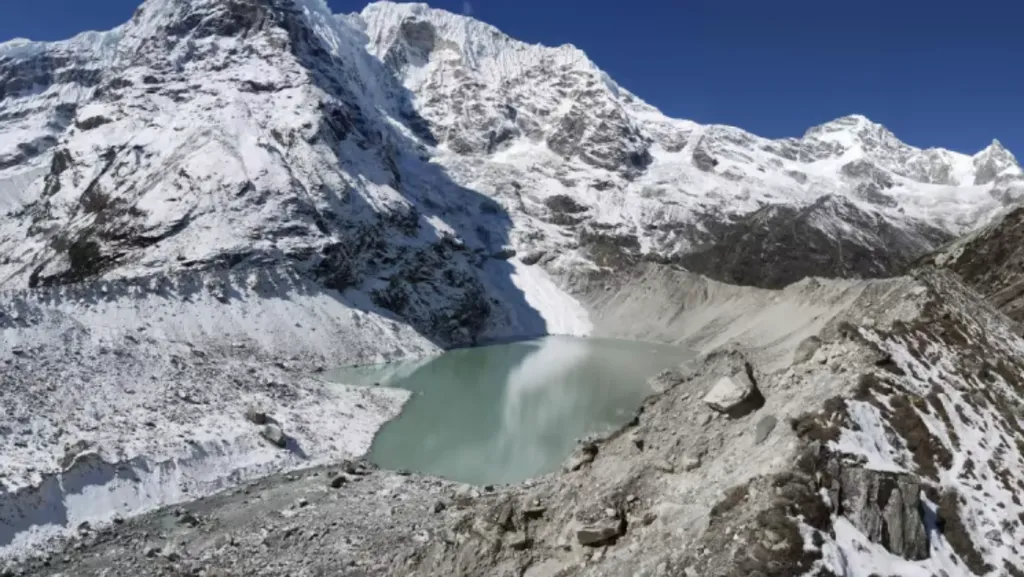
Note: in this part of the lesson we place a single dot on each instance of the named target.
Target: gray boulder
(665, 380)
(275, 435)
(255, 416)
(729, 392)
(581, 456)
(601, 532)
(764, 428)
(518, 541)
(735, 395)
(691, 463)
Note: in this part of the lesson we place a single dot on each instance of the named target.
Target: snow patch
(550, 311)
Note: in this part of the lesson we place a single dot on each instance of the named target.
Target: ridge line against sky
(934, 73)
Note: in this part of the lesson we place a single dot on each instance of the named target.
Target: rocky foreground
(877, 434)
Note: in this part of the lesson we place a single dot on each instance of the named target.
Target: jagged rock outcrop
(994, 162)
(886, 507)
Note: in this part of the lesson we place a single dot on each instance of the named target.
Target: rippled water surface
(504, 413)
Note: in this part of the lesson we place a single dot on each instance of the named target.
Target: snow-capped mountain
(208, 205)
(642, 184)
(428, 160)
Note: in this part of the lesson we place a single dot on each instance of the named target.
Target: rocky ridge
(989, 260)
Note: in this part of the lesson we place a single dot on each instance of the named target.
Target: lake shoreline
(521, 405)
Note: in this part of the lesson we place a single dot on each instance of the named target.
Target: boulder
(188, 518)
(581, 456)
(601, 532)
(546, 568)
(517, 541)
(663, 465)
(665, 380)
(534, 511)
(735, 395)
(502, 515)
(764, 428)
(691, 463)
(256, 416)
(275, 435)
(532, 257)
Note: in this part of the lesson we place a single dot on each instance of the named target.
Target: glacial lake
(504, 413)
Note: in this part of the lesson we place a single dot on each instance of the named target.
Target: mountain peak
(480, 46)
(995, 147)
(854, 119)
(201, 18)
(851, 123)
(856, 132)
(995, 150)
(994, 161)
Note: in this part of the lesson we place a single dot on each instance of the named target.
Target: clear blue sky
(938, 73)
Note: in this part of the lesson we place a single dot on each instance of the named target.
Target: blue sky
(938, 73)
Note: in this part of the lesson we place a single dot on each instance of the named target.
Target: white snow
(867, 438)
(551, 310)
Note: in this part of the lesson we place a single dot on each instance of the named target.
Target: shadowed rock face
(47, 74)
(310, 170)
(777, 246)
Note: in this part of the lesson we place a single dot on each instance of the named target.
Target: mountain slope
(990, 260)
(228, 133)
